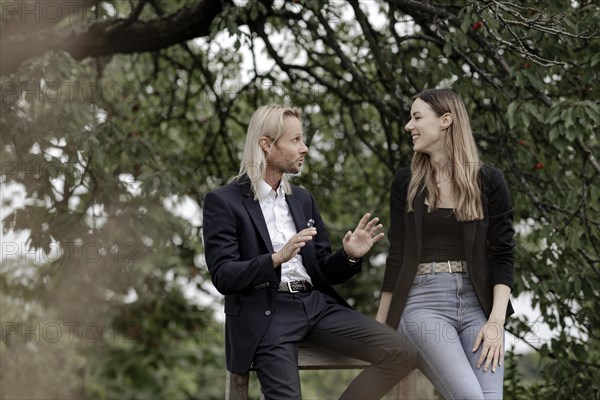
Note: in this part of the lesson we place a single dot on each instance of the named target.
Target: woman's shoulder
(402, 178)
(492, 179)
(490, 173)
(403, 174)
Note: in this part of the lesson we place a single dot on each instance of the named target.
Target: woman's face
(428, 130)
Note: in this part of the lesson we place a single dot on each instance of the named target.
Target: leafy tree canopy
(118, 116)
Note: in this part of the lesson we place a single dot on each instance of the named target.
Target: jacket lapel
(307, 252)
(255, 212)
(469, 230)
(297, 212)
(419, 208)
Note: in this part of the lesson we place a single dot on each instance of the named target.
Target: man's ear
(447, 120)
(265, 143)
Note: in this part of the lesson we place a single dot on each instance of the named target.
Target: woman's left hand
(492, 352)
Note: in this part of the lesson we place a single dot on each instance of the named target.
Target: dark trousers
(317, 317)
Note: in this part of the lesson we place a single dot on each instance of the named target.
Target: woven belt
(295, 286)
(442, 266)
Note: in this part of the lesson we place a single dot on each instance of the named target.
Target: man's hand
(359, 242)
(293, 246)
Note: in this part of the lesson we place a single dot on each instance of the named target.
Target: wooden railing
(312, 357)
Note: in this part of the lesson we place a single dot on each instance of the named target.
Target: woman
(449, 271)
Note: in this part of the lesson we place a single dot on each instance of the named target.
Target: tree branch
(102, 38)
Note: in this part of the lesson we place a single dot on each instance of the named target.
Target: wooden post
(407, 388)
(236, 387)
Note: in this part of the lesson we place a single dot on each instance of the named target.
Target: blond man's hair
(265, 121)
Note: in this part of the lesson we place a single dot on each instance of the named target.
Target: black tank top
(442, 237)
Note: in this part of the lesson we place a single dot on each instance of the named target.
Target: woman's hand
(491, 338)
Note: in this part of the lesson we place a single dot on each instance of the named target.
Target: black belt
(295, 286)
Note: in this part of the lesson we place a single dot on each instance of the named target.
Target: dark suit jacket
(238, 253)
(489, 243)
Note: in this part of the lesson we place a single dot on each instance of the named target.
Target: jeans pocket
(420, 280)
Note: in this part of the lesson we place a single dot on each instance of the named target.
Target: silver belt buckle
(449, 266)
(289, 284)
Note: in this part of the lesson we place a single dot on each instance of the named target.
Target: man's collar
(264, 189)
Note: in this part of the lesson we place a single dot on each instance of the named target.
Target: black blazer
(489, 242)
(238, 254)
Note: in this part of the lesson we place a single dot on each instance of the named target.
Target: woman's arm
(384, 307)
(501, 297)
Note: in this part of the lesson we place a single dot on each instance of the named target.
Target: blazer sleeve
(500, 234)
(396, 233)
(230, 273)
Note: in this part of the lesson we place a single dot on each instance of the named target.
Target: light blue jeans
(442, 318)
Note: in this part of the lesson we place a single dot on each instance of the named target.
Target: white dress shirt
(281, 229)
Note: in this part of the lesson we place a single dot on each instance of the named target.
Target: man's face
(287, 153)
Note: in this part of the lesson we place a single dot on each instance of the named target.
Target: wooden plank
(312, 356)
(236, 387)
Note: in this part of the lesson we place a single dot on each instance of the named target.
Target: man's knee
(406, 355)
(401, 351)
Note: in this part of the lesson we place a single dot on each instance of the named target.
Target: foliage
(114, 152)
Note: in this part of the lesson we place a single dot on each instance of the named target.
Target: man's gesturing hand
(293, 246)
(359, 242)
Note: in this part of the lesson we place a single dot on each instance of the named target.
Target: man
(267, 251)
